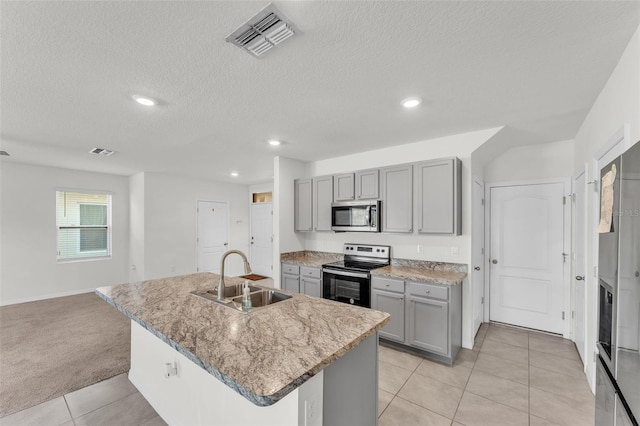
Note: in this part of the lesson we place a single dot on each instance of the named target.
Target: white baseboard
(46, 296)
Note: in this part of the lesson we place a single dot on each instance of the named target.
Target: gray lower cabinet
(302, 279)
(290, 277)
(424, 316)
(428, 322)
(291, 283)
(387, 295)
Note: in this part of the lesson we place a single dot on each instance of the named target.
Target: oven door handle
(346, 273)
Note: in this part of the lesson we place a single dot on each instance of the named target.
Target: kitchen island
(301, 361)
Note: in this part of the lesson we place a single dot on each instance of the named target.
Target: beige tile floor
(511, 377)
(111, 402)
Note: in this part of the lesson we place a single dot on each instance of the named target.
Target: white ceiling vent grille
(102, 151)
(264, 31)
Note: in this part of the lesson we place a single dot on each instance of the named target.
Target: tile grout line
(102, 406)
(64, 397)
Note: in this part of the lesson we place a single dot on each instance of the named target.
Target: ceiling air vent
(262, 32)
(102, 151)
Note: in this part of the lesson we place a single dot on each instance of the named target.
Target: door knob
(477, 268)
(494, 261)
(579, 277)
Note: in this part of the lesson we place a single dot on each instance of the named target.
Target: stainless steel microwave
(358, 216)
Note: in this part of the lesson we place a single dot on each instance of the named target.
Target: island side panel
(351, 387)
(194, 396)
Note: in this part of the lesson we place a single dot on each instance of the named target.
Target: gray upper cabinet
(303, 196)
(344, 187)
(438, 185)
(367, 185)
(397, 198)
(322, 199)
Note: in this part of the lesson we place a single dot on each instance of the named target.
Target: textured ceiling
(68, 70)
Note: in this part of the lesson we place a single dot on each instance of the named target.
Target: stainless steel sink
(262, 298)
(232, 298)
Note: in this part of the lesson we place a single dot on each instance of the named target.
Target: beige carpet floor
(52, 347)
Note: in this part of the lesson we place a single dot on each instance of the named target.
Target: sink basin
(260, 297)
(263, 298)
(230, 291)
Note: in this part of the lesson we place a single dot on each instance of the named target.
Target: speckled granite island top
(262, 355)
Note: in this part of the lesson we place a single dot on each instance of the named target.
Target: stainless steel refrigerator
(618, 370)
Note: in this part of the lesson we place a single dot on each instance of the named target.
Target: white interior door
(213, 234)
(580, 277)
(261, 246)
(527, 257)
(478, 255)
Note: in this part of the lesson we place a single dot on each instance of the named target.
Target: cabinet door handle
(579, 278)
(494, 261)
(428, 291)
(387, 285)
(477, 268)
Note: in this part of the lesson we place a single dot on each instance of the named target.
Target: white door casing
(579, 279)
(261, 244)
(528, 255)
(212, 237)
(478, 254)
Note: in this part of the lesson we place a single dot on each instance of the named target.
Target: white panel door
(477, 276)
(213, 234)
(261, 247)
(579, 280)
(527, 262)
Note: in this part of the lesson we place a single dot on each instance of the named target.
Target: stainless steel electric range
(349, 280)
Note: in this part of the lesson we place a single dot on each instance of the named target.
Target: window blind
(84, 225)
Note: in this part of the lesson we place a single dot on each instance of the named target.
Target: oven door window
(352, 290)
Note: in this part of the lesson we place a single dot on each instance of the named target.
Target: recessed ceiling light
(411, 102)
(4, 153)
(274, 142)
(143, 100)
(234, 174)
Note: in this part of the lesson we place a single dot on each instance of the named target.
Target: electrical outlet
(419, 248)
(455, 251)
(309, 412)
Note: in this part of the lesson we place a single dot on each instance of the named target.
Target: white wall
(136, 227)
(170, 221)
(617, 104)
(538, 161)
(30, 270)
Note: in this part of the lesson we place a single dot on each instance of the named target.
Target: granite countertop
(420, 274)
(262, 355)
(310, 258)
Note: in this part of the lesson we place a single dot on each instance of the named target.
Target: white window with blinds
(84, 225)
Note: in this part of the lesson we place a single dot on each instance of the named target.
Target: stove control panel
(383, 252)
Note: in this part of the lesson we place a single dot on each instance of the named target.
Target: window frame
(108, 226)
